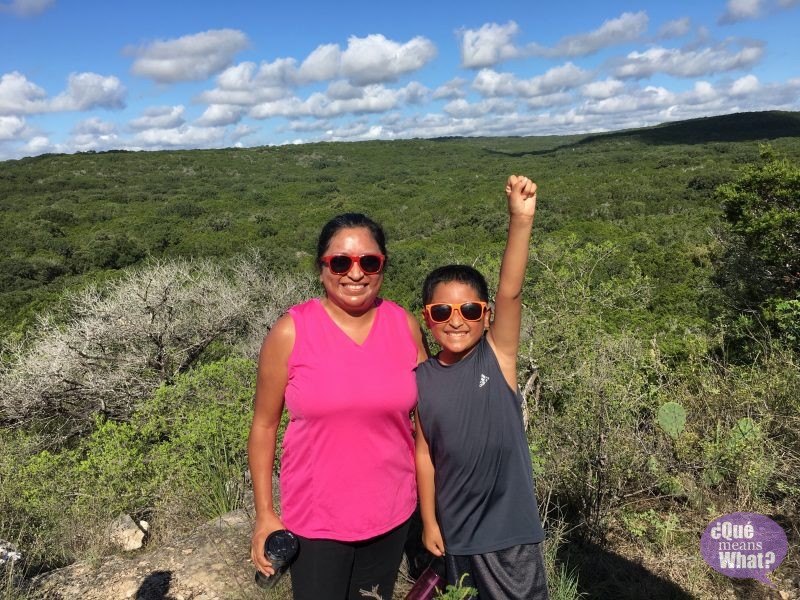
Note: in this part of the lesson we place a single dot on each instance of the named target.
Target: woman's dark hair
(460, 273)
(348, 221)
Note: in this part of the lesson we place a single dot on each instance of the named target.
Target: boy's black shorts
(516, 573)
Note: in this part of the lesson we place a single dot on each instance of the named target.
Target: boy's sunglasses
(469, 311)
(340, 264)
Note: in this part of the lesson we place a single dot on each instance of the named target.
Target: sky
(96, 75)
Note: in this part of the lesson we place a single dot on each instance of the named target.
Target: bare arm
(270, 386)
(504, 331)
(431, 534)
(416, 333)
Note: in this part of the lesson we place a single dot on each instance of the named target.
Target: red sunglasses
(443, 311)
(340, 264)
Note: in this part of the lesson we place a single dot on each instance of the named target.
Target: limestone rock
(218, 567)
(125, 534)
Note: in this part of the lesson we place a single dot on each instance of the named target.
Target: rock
(213, 563)
(8, 552)
(218, 567)
(125, 534)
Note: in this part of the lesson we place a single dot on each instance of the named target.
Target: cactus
(672, 419)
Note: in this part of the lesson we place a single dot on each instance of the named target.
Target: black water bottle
(280, 548)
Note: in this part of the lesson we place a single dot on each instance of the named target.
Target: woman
(344, 365)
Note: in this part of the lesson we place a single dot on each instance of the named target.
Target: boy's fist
(521, 193)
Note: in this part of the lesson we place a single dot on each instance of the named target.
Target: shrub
(126, 338)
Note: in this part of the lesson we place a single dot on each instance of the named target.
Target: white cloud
(238, 77)
(741, 10)
(603, 89)
(284, 107)
(451, 90)
(267, 89)
(415, 93)
(703, 93)
(744, 86)
(246, 85)
(307, 125)
(373, 99)
(159, 117)
(94, 134)
(20, 96)
(343, 90)
(493, 43)
(322, 64)
(186, 136)
(489, 45)
(674, 29)
(90, 90)
(491, 83)
(625, 28)
(644, 99)
(463, 109)
(374, 59)
(94, 126)
(355, 130)
(242, 131)
(558, 79)
(550, 101)
(84, 91)
(218, 115)
(38, 145)
(189, 58)
(11, 127)
(688, 63)
(26, 8)
(280, 73)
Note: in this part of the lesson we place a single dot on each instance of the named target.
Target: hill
(69, 219)
(658, 357)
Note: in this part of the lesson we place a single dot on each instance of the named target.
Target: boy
(474, 475)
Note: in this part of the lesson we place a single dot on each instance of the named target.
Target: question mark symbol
(770, 559)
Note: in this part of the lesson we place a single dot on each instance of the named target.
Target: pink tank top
(347, 470)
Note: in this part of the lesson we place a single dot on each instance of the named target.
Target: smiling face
(354, 292)
(456, 336)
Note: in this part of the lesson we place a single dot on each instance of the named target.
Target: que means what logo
(746, 545)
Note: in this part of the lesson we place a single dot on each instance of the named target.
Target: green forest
(660, 347)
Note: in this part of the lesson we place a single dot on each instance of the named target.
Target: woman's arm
(270, 386)
(431, 534)
(419, 340)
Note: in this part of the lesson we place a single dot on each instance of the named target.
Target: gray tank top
(472, 419)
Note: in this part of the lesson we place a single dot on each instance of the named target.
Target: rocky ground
(210, 564)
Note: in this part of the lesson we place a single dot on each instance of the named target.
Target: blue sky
(145, 75)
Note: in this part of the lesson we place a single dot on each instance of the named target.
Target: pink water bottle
(425, 587)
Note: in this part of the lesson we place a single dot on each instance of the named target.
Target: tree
(760, 268)
(586, 387)
(122, 341)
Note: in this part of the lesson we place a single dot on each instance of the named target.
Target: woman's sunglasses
(469, 311)
(340, 264)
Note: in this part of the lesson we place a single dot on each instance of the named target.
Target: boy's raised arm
(505, 329)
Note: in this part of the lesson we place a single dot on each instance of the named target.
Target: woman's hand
(432, 539)
(262, 530)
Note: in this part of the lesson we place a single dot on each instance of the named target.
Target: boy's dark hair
(348, 221)
(460, 273)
